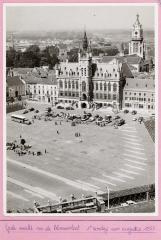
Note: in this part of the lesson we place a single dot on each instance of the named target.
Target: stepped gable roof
(142, 84)
(14, 81)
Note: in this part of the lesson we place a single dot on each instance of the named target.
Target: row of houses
(122, 81)
(137, 93)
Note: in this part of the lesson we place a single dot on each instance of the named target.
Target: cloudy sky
(50, 18)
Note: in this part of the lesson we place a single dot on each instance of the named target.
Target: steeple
(85, 42)
(137, 44)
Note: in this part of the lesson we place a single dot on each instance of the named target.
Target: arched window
(105, 88)
(69, 84)
(109, 87)
(65, 84)
(96, 86)
(73, 84)
(61, 84)
(83, 86)
(76, 84)
(115, 87)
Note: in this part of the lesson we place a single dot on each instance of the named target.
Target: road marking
(133, 143)
(144, 164)
(17, 196)
(51, 175)
(131, 136)
(34, 194)
(114, 178)
(123, 175)
(95, 188)
(34, 189)
(129, 139)
(138, 157)
(142, 169)
(136, 152)
(103, 181)
(126, 130)
(141, 149)
(129, 127)
(127, 171)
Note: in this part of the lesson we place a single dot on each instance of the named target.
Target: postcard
(80, 120)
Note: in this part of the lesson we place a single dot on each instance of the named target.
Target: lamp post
(108, 197)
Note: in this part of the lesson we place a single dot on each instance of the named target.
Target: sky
(53, 18)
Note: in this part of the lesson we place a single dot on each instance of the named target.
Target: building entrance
(84, 105)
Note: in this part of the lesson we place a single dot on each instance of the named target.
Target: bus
(20, 119)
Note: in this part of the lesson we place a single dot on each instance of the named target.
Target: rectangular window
(141, 106)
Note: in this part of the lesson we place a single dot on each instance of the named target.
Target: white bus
(20, 119)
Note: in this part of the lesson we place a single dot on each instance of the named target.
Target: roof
(50, 80)
(14, 81)
(130, 191)
(106, 59)
(126, 70)
(136, 83)
(131, 59)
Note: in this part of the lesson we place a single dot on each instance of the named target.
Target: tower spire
(85, 41)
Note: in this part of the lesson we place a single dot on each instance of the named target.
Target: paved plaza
(101, 157)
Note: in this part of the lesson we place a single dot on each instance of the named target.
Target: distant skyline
(54, 18)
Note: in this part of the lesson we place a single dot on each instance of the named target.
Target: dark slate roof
(131, 59)
(14, 81)
(136, 83)
(126, 70)
(50, 80)
(106, 59)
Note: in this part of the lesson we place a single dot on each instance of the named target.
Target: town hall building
(90, 82)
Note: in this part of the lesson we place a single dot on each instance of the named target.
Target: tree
(73, 55)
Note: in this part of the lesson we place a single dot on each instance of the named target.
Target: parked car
(134, 112)
(124, 205)
(140, 119)
(134, 119)
(26, 111)
(60, 107)
(69, 108)
(31, 109)
(130, 202)
(119, 122)
(126, 111)
(116, 117)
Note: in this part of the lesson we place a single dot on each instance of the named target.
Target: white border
(155, 5)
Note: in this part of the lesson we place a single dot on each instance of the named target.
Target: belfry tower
(137, 44)
(85, 72)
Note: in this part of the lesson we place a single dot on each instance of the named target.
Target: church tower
(85, 72)
(137, 44)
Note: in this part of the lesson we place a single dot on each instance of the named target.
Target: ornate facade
(87, 82)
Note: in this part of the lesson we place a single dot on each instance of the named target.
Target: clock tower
(137, 44)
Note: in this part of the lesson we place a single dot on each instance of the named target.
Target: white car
(130, 202)
(124, 205)
(134, 119)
